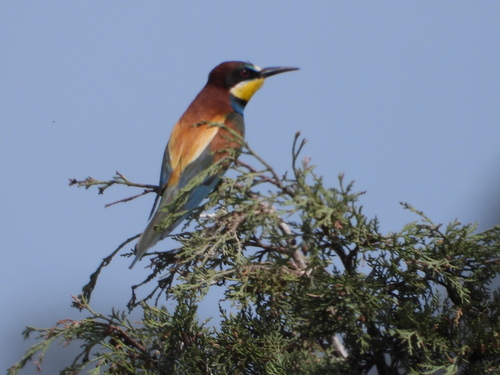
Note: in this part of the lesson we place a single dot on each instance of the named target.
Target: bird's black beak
(268, 72)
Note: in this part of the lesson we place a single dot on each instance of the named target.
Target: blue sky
(403, 97)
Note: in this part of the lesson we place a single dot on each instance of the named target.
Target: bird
(200, 145)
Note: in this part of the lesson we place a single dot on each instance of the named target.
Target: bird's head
(242, 80)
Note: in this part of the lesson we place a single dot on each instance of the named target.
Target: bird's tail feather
(152, 235)
(148, 239)
(175, 206)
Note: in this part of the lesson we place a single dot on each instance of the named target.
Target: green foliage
(313, 288)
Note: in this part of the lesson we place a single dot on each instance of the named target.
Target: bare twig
(128, 199)
(118, 179)
(89, 287)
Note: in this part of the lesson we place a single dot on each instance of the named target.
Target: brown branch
(115, 331)
(118, 179)
(129, 198)
(89, 287)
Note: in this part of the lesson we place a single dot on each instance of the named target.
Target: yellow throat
(245, 90)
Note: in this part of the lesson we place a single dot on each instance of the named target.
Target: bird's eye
(244, 73)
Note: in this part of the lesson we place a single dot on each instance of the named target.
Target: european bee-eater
(202, 137)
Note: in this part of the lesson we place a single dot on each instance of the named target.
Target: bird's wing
(213, 142)
(166, 170)
(188, 153)
(187, 148)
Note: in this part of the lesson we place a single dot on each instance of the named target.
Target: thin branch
(89, 287)
(118, 179)
(129, 198)
(115, 331)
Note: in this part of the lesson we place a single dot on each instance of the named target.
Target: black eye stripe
(240, 74)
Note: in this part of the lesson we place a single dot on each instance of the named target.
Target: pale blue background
(404, 97)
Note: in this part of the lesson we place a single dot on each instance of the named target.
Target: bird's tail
(148, 238)
(152, 234)
(175, 206)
